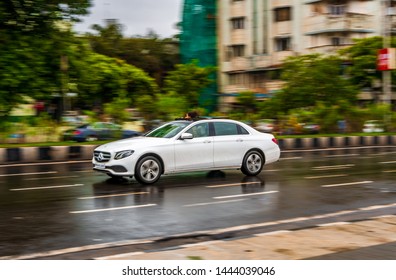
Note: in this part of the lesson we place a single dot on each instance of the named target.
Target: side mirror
(185, 136)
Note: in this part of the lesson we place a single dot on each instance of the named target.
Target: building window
(337, 10)
(237, 50)
(337, 41)
(282, 14)
(237, 79)
(283, 44)
(238, 23)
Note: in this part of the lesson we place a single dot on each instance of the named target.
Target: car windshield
(168, 131)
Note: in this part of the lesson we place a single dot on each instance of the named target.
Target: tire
(252, 163)
(148, 170)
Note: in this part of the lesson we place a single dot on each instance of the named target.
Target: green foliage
(116, 109)
(310, 78)
(362, 60)
(248, 101)
(39, 16)
(188, 80)
(170, 106)
(155, 56)
(147, 106)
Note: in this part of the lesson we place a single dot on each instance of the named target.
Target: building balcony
(281, 3)
(239, 36)
(349, 22)
(255, 63)
(326, 49)
(282, 27)
(238, 9)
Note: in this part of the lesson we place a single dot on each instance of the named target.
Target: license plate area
(100, 166)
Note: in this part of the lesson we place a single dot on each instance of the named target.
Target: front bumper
(121, 167)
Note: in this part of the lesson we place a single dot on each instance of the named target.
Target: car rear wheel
(148, 170)
(252, 163)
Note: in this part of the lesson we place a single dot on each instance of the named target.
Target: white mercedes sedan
(184, 146)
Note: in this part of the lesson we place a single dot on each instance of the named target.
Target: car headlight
(123, 154)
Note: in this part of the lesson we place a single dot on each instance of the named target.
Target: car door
(230, 141)
(195, 153)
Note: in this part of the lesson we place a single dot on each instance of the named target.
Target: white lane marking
(389, 171)
(326, 176)
(111, 195)
(125, 255)
(45, 163)
(217, 202)
(330, 167)
(387, 162)
(290, 158)
(347, 184)
(334, 224)
(232, 185)
(375, 207)
(242, 195)
(77, 249)
(111, 209)
(49, 187)
(273, 233)
(345, 155)
(27, 174)
(47, 178)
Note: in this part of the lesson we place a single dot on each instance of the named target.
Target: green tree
(361, 59)
(188, 80)
(312, 78)
(154, 55)
(104, 79)
(33, 36)
(39, 17)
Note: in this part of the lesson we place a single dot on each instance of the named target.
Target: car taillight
(77, 132)
(275, 141)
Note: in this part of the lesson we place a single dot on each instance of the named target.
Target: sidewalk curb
(44, 154)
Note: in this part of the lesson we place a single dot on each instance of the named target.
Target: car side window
(224, 128)
(241, 130)
(199, 130)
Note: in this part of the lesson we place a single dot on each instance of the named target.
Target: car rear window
(225, 128)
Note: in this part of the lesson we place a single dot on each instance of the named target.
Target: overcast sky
(137, 16)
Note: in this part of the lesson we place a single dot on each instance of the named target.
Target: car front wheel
(252, 163)
(148, 170)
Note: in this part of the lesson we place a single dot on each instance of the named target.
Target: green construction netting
(198, 41)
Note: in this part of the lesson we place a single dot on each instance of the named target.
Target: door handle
(207, 141)
(239, 140)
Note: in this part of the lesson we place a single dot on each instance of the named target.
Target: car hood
(132, 143)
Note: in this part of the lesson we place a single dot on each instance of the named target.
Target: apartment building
(255, 36)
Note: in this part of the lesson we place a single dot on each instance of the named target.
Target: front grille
(102, 156)
(118, 168)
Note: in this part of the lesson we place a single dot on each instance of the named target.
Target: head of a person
(191, 115)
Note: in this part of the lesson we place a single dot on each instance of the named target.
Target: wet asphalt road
(56, 206)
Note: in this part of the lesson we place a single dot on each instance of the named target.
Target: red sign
(386, 59)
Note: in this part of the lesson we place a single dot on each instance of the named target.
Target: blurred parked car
(266, 125)
(310, 128)
(98, 131)
(373, 126)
